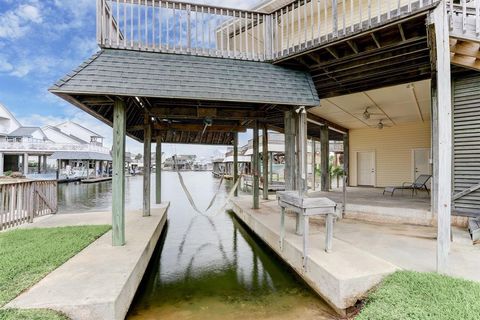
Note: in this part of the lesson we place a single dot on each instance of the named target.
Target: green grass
(28, 255)
(415, 296)
(33, 314)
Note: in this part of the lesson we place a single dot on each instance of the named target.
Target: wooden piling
(265, 161)
(118, 179)
(147, 164)
(256, 168)
(289, 123)
(158, 171)
(235, 161)
(324, 158)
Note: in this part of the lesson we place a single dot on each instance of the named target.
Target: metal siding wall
(466, 131)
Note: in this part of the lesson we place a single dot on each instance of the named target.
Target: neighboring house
(8, 123)
(26, 133)
(72, 145)
(58, 136)
(79, 131)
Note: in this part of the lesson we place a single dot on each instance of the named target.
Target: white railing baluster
(125, 23)
(360, 19)
(167, 33)
(258, 36)
(203, 29)
(131, 23)
(477, 17)
(369, 13)
(110, 24)
(228, 35)
(196, 29)
(118, 26)
(288, 29)
(352, 21)
(305, 22)
(299, 25)
(319, 22)
(325, 18)
(252, 38)
(160, 25)
(234, 37)
(209, 31)
(312, 20)
(139, 26)
(153, 26)
(180, 45)
(464, 16)
(344, 14)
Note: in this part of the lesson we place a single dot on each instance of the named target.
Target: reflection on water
(205, 267)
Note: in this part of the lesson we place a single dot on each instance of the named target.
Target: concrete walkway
(363, 252)
(99, 282)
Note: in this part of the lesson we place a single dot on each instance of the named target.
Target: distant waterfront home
(19, 144)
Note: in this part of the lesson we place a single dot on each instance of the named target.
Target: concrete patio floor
(100, 281)
(369, 204)
(363, 252)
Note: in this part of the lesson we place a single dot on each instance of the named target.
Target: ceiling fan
(380, 125)
(367, 114)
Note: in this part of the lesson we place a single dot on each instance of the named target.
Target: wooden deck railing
(464, 19)
(21, 201)
(187, 28)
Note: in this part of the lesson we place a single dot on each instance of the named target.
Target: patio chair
(419, 184)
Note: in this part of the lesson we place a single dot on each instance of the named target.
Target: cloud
(17, 22)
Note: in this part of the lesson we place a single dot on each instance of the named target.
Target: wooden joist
(465, 53)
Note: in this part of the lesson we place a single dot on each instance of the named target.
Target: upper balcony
(188, 28)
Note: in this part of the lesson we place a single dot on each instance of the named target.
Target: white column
(25, 164)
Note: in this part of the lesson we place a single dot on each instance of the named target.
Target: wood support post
(346, 169)
(256, 168)
(59, 165)
(265, 161)
(25, 164)
(289, 174)
(118, 179)
(158, 171)
(2, 163)
(313, 164)
(302, 171)
(39, 164)
(324, 155)
(270, 170)
(147, 164)
(235, 161)
(441, 131)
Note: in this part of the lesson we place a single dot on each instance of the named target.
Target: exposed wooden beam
(402, 33)
(191, 127)
(375, 39)
(353, 46)
(201, 113)
(333, 52)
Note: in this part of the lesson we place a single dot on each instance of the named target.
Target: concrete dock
(99, 282)
(363, 252)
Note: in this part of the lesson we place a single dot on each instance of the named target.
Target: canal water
(204, 267)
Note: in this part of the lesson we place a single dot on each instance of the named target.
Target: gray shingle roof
(23, 132)
(148, 74)
(80, 155)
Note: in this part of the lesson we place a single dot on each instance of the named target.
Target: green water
(205, 267)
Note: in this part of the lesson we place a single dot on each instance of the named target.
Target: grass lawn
(414, 295)
(28, 255)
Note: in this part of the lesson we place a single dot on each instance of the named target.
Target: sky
(40, 42)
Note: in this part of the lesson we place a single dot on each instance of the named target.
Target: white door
(366, 169)
(421, 162)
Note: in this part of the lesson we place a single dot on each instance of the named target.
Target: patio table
(307, 206)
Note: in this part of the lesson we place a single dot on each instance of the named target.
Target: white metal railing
(181, 27)
(47, 146)
(464, 19)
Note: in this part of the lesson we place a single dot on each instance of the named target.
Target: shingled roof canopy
(180, 91)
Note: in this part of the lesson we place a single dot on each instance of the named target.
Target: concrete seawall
(100, 281)
(340, 277)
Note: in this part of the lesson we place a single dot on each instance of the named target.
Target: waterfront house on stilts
(395, 81)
